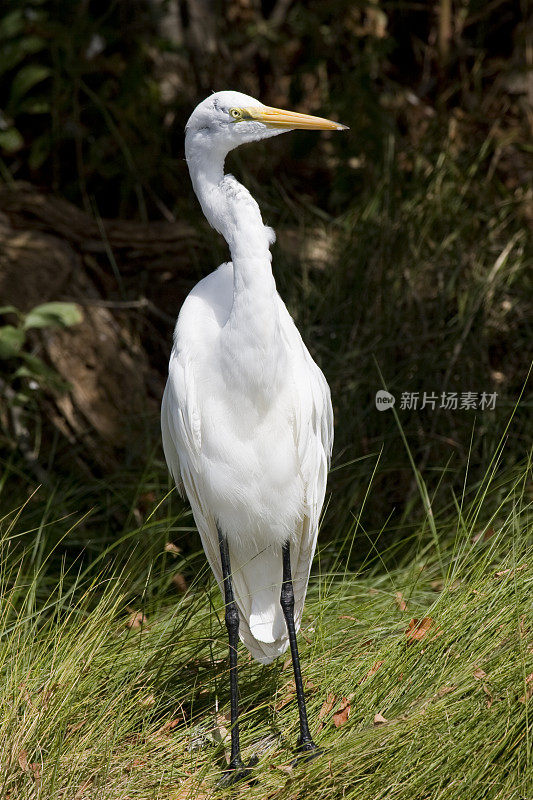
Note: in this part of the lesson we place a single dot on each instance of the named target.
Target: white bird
(246, 416)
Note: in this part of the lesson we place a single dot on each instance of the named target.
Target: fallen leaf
(400, 602)
(327, 705)
(418, 629)
(36, 772)
(179, 582)
(136, 621)
(438, 585)
(76, 726)
(510, 572)
(346, 616)
(529, 690)
(373, 669)
(147, 701)
(169, 725)
(341, 716)
(379, 719)
(170, 547)
(479, 674)
(288, 694)
(373, 591)
(286, 768)
(147, 497)
(49, 693)
(445, 690)
(488, 533)
(137, 763)
(33, 769)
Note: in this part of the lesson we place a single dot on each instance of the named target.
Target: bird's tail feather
(257, 578)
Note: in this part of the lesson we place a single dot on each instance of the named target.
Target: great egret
(246, 416)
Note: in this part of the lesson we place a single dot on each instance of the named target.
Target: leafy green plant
(19, 362)
(24, 376)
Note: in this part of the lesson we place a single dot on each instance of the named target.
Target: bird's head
(227, 119)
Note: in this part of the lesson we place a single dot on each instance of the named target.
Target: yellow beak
(278, 118)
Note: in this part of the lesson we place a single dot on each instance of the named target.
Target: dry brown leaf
(75, 726)
(347, 616)
(400, 602)
(137, 621)
(289, 693)
(379, 719)
(286, 768)
(327, 705)
(373, 591)
(146, 499)
(489, 696)
(33, 769)
(488, 533)
(179, 582)
(480, 674)
(510, 572)
(445, 690)
(36, 772)
(529, 690)
(169, 725)
(48, 693)
(438, 585)
(418, 629)
(373, 669)
(170, 547)
(137, 763)
(147, 701)
(341, 716)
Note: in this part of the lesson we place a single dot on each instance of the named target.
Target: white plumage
(246, 417)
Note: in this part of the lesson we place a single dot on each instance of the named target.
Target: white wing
(313, 437)
(314, 440)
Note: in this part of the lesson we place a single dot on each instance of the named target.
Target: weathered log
(156, 244)
(114, 389)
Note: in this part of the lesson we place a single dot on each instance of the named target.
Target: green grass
(93, 709)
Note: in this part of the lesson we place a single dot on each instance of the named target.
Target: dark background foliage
(402, 245)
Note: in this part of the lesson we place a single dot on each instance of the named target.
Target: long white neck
(231, 210)
(228, 206)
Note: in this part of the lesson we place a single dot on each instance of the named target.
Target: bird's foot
(307, 750)
(237, 771)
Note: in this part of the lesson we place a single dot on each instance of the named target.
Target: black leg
(236, 768)
(305, 742)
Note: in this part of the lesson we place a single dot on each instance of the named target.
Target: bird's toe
(237, 771)
(306, 752)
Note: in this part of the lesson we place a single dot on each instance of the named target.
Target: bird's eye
(236, 113)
